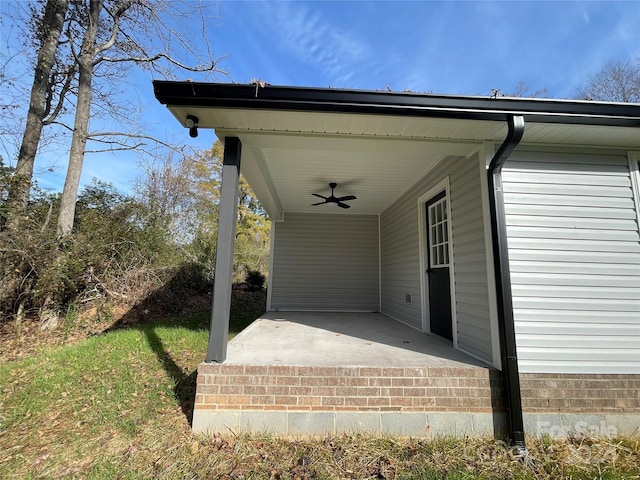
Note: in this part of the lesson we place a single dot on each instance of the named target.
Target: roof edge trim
(268, 97)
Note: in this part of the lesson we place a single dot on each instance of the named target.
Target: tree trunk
(52, 23)
(81, 123)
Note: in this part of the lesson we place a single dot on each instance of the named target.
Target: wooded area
(63, 251)
(124, 248)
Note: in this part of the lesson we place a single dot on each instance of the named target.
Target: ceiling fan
(333, 199)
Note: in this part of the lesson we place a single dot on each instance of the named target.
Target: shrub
(255, 279)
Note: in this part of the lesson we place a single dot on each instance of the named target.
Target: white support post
(227, 219)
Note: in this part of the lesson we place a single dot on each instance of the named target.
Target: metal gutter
(508, 349)
(392, 103)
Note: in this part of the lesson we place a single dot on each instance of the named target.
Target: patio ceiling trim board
(271, 204)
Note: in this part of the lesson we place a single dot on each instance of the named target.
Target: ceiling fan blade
(343, 205)
(348, 197)
(319, 203)
(319, 196)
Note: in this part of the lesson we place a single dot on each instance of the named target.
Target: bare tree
(78, 87)
(48, 31)
(522, 91)
(85, 61)
(117, 33)
(618, 81)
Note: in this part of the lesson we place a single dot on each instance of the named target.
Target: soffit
(581, 135)
(327, 123)
(402, 126)
(288, 155)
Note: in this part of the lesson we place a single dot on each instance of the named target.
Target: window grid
(438, 234)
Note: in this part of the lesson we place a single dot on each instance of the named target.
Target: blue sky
(444, 47)
(424, 46)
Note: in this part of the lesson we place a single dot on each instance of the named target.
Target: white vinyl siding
(469, 258)
(574, 250)
(400, 258)
(400, 255)
(325, 262)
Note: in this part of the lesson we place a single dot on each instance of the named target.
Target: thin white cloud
(314, 40)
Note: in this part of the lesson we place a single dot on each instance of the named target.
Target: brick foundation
(580, 393)
(403, 400)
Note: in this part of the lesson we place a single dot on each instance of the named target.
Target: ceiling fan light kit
(332, 200)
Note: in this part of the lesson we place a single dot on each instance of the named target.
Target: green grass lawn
(117, 405)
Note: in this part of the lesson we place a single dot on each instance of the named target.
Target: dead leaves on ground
(278, 459)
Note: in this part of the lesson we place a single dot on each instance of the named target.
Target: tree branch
(158, 56)
(72, 44)
(116, 149)
(64, 125)
(117, 15)
(129, 135)
(69, 76)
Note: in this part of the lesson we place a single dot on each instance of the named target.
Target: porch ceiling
(285, 170)
(289, 155)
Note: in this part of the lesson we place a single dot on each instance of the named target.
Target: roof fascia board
(393, 103)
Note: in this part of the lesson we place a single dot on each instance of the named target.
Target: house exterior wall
(325, 262)
(574, 250)
(400, 255)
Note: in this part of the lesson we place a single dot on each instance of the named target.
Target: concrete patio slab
(340, 339)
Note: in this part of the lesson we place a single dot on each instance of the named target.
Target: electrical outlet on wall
(408, 298)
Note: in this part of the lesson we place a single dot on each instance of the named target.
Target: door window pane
(439, 234)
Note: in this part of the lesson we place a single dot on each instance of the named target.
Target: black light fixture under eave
(191, 122)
